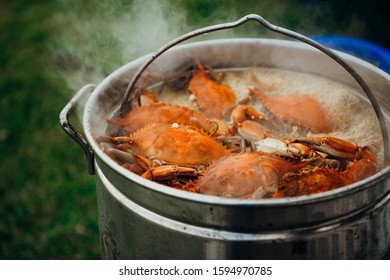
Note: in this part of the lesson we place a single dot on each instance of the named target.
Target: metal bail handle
(72, 132)
(385, 138)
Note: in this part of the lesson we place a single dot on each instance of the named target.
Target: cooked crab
(356, 163)
(166, 144)
(300, 109)
(212, 97)
(245, 175)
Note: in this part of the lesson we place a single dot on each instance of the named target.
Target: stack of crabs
(226, 147)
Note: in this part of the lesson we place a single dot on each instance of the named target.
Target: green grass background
(50, 49)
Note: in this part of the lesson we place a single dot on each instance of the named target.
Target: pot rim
(215, 200)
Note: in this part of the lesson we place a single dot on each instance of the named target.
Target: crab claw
(243, 112)
(284, 148)
(337, 148)
(301, 109)
(165, 172)
(245, 121)
(157, 172)
(252, 131)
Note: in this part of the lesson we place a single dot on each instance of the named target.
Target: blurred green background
(50, 49)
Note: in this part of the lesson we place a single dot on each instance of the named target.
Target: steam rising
(91, 48)
(100, 37)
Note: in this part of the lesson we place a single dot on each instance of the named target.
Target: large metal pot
(140, 219)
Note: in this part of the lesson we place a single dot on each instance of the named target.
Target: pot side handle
(72, 132)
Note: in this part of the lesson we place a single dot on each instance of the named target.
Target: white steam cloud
(93, 43)
(97, 37)
(149, 27)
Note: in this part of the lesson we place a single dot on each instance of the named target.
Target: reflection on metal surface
(109, 247)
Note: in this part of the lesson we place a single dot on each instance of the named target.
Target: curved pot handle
(385, 138)
(72, 132)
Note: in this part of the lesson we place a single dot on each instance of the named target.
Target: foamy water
(352, 117)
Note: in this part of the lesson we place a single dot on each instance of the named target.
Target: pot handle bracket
(72, 132)
(382, 123)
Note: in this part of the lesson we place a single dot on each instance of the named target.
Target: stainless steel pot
(140, 219)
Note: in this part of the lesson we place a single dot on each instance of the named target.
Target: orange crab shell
(242, 175)
(212, 97)
(313, 181)
(362, 163)
(301, 109)
(319, 180)
(160, 113)
(176, 144)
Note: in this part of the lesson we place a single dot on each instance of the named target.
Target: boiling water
(352, 117)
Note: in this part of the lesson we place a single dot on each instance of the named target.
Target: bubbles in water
(351, 116)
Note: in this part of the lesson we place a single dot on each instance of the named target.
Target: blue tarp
(365, 50)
